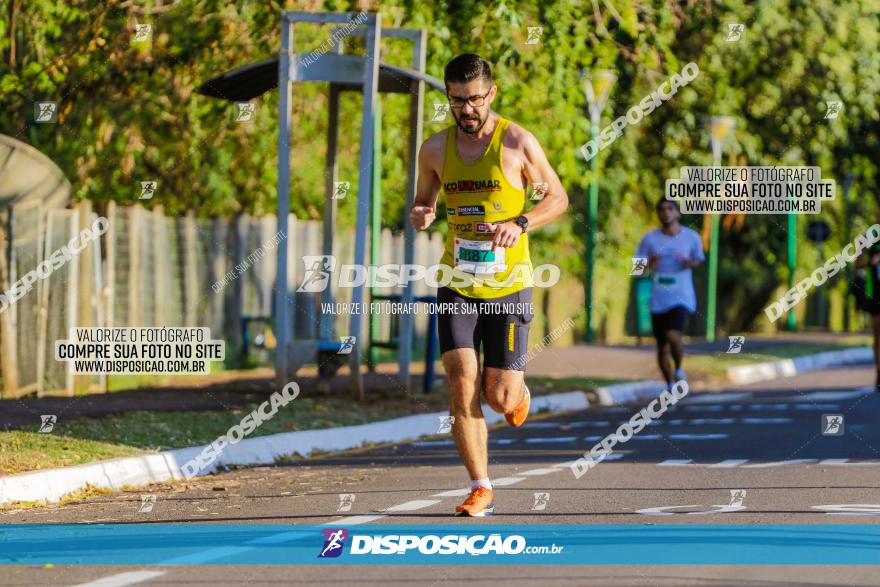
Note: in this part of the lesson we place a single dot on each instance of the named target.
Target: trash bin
(643, 306)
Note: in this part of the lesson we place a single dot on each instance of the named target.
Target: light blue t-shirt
(673, 284)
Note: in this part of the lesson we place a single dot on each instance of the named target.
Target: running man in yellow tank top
(482, 165)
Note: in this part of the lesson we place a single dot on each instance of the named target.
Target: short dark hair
(662, 201)
(466, 68)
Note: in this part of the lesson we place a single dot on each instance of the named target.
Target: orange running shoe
(479, 503)
(519, 415)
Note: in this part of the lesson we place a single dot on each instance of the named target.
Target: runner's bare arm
(424, 208)
(537, 169)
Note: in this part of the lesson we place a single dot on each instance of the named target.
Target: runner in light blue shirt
(672, 252)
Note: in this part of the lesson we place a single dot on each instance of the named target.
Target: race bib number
(478, 257)
(665, 279)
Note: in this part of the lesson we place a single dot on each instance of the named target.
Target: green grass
(543, 385)
(716, 365)
(85, 440)
(128, 382)
(22, 451)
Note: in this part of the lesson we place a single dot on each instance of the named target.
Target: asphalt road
(764, 442)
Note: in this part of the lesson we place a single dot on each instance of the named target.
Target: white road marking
(536, 472)
(850, 509)
(354, 520)
(817, 407)
(769, 407)
(411, 506)
(551, 439)
(728, 464)
(204, 556)
(722, 509)
(661, 510)
(716, 398)
(767, 421)
(778, 463)
(591, 424)
(122, 579)
(453, 493)
(597, 437)
(504, 440)
(833, 395)
(707, 421)
(699, 436)
(549, 425)
(434, 443)
(500, 482)
(675, 463)
(564, 465)
(847, 462)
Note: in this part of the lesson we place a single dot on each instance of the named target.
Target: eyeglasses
(475, 101)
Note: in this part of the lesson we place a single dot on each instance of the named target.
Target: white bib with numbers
(478, 257)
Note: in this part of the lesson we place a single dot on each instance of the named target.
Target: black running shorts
(672, 319)
(500, 325)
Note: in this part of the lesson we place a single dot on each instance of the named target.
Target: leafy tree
(128, 111)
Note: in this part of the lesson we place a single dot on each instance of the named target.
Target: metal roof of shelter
(27, 176)
(244, 83)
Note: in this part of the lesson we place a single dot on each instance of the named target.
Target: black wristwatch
(522, 222)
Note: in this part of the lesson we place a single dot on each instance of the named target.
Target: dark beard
(470, 131)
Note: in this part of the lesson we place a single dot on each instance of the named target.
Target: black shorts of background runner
(672, 319)
(871, 306)
(503, 336)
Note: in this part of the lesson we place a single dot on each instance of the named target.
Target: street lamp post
(847, 237)
(597, 86)
(720, 127)
(791, 262)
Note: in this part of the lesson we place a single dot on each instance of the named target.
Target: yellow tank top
(478, 194)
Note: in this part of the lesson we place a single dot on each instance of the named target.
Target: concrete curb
(790, 367)
(53, 484)
(628, 393)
